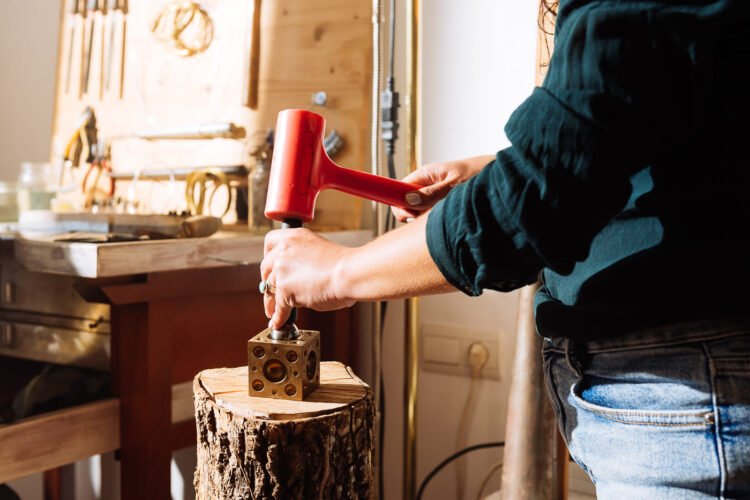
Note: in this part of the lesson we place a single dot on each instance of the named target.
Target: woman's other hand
(303, 267)
(438, 179)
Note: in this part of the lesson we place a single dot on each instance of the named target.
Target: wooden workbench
(166, 298)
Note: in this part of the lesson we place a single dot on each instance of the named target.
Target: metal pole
(378, 230)
(530, 460)
(412, 305)
(535, 459)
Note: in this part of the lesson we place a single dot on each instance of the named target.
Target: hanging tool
(101, 164)
(114, 7)
(82, 60)
(104, 15)
(197, 183)
(73, 11)
(227, 130)
(92, 7)
(185, 27)
(124, 12)
(252, 62)
(83, 141)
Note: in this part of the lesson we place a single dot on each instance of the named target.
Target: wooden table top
(40, 253)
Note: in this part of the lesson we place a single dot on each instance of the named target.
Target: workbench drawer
(88, 348)
(45, 293)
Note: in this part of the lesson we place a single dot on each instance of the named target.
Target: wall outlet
(445, 349)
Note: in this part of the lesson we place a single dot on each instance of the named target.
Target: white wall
(477, 67)
(28, 58)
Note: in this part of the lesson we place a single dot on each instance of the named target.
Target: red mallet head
(301, 169)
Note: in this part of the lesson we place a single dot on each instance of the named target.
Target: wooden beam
(58, 438)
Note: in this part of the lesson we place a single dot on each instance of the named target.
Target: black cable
(392, 35)
(381, 399)
(451, 458)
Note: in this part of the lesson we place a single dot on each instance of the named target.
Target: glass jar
(8, 202)
(256, 202)
(35, 186)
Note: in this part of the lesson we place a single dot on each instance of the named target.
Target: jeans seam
(657, 424)
(667, 343)
(717, 422)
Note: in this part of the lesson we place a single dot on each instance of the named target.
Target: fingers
(269, 304)
(280, 315)
(422, 200)
(277, 306)
(402, 214)
(271, 240)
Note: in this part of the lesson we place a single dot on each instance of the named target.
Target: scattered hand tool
(92, 7)
(73, 11)
(197, 181)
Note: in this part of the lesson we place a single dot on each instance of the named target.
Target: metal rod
(376, 322)
(412, 304)
(180, 174)
(123, 39)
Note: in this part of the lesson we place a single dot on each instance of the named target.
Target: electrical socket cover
(445, 349)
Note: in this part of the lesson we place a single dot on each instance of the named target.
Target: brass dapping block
(284, 369)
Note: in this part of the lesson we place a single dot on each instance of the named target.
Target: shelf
(65, 436)
(54, 439)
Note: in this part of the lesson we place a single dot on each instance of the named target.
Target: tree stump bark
(259, 448)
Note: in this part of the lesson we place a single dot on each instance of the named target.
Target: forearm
(395, 265)
(477, 163)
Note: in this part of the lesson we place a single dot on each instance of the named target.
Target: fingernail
(413, 198)
(410, 219)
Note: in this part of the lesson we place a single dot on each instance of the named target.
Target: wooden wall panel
(305, 47)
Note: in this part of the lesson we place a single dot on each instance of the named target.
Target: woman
(624, 188)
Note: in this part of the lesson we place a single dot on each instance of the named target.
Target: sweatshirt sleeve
(611, 104)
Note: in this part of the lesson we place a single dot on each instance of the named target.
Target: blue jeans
(657, 414)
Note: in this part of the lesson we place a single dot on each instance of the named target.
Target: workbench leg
(52, 484)
(142, 379)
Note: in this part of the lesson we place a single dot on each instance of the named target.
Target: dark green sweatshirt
(626, 181)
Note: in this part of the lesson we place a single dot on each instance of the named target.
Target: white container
(8, 202)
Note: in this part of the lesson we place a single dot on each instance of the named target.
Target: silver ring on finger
(266, 287)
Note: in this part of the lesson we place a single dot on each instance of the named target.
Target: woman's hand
(304, 268)
(438, 179)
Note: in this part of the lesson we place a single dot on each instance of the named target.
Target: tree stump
(259, 448)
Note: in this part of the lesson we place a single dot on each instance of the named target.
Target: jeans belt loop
(570, 359)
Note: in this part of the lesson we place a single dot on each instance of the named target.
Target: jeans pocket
(664, 418)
